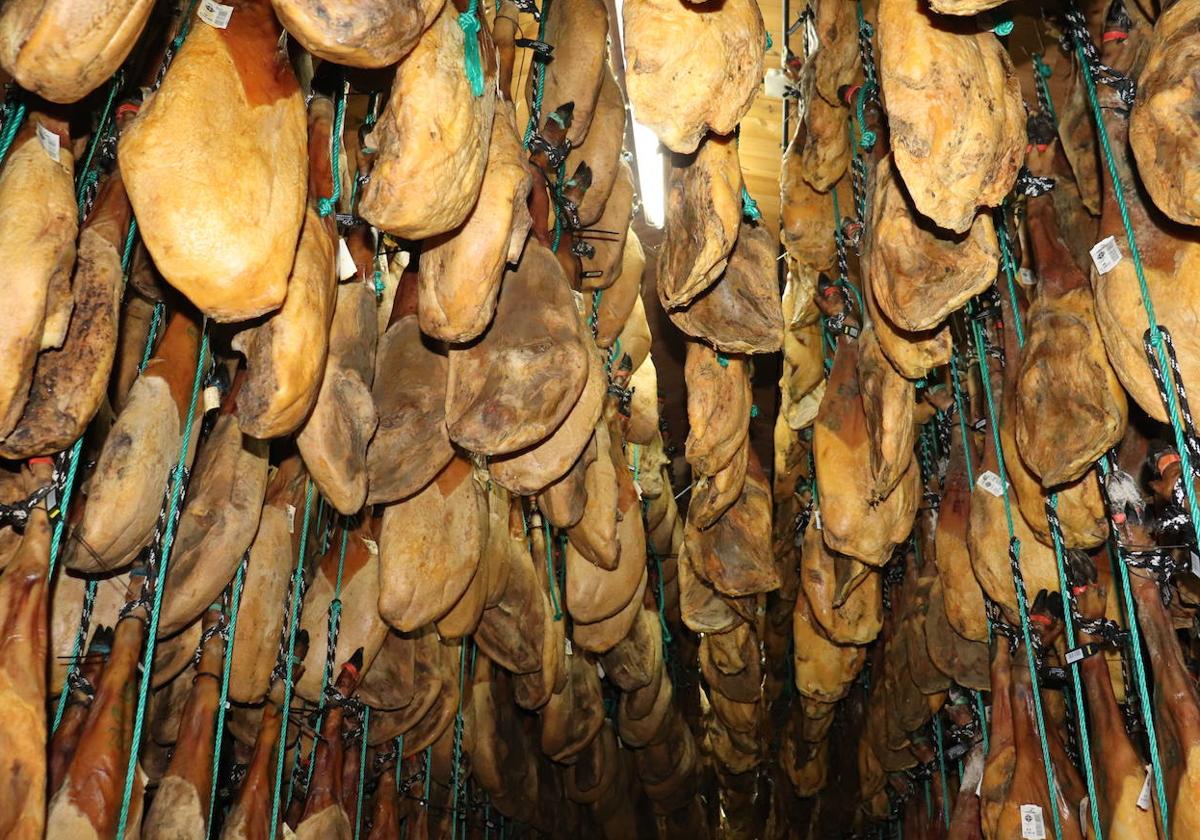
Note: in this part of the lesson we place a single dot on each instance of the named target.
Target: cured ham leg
(180, 807)
(69, 382)
(373, 34)
(385, 804)
(324, 816)
(220, 212)
(285, 355)
(1121, 774)
(965, 820)
(66, 737)
(574, 78)
(37, 248)
(1001, 757)
(1070, 408)
(126, 489)
(88, 804)
(24, 630)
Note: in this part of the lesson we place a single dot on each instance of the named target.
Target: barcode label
(1075, 655)
(212, 398)
(1033, 824)
(1106, 254)
(215, 14)
(990, 482)
(49, 141)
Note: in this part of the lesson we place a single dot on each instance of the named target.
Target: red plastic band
(1114, 35)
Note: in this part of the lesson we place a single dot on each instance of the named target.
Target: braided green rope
(335, 617)
(1018, 585)
(399, 759)
(156, 608)
(87, 175)
(293, 621)
(458, 733)
(1009, 270)
(155, 320)
(750, 206)
(325, 206)
(468, 22)
(550, 576)
(12, 123)
(1040, 77)
(539, 78)
(89, 598)
(362, 771)
(235, 602)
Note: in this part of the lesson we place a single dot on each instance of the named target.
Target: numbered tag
(1106, 254)
(291, 515)
(215, 14)
(1027, 277)
(1075, 655)
(1033, 824)
(212, 398)
(49, 141)
(1143, 800)
(345, 263)
(990, 482)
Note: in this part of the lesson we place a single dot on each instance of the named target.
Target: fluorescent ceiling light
(651, 178)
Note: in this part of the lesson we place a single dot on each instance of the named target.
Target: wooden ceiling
(762, 141)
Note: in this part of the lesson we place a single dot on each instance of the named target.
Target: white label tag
(372, 546)
(599, 669)
(979, 785)
(215, 14)
(1074, 656)
(1033, 825)
(570, 649)
(49, 141)
(1106, 254)
(817, 519)
(212, 398)
(1085, 808)
(1195, 564)
(1143, 801)
(990, 482)
(345, 263)
(1027, 277)
(291, 515)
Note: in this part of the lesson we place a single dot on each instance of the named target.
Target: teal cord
(554, 596)
(362, 771)
(325, 206)
(155, 320)
(89, 598)
(539, 78)
(156, 608)
(12, 123)
(293, 621)
(750, 206)
(1009, 270)
(1043, 73)
(468, 22)
(87, 175)
(335, 619)
(235, 602)
(1018, 584)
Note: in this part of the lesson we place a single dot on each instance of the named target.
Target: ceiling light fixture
(649, 154)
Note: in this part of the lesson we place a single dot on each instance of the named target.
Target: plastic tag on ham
(291, 515)
(1027, 277)
(570, 649)
(1106, 254)
(1143, 800)
(990, 482)
(49, 141)
(1085, 810)
(1033, 824)
(817, 519)
(345, 263)
(214, 14)
(599, 669)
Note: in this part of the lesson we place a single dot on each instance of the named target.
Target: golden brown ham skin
(220, 211)
(373, 34)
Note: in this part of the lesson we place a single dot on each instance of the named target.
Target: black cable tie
(540, 49)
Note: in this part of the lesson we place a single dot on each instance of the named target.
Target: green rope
(13, 118)
(468, 22)
(362, 771)
(89, 598)
(941, 758)
(156, 608)
(379, 287)
(335, 620)
(539, 78)
(1043, 73)
(155, 320)
(558, 193)
(399, 759)
(770, 42)
(325, 206)
(428, 773)
(458, 734)
(1009, 270)
(235, 602)
(88, 177)
(1018, 583)
(293, 621)
(870, 84)
(750, 206)
(554, 598)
